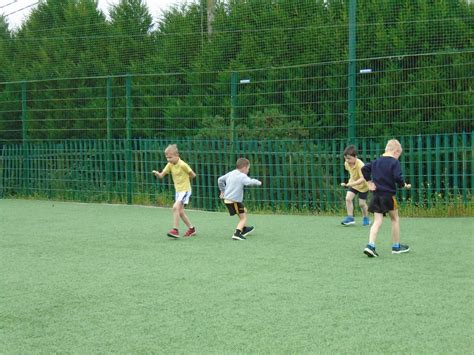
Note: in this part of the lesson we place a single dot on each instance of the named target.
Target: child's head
(243, 165)
(172, 154)
(393, 148)
(350, 154)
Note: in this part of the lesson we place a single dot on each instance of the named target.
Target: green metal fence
(297, 176)
(287, 84)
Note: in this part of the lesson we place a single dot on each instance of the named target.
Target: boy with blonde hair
(181, 173)
(231, 186)
(383, 175)
(355, 186)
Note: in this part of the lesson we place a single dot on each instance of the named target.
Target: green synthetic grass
(85, 278)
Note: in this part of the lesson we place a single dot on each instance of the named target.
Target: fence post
(471, 150)
(455, 169)
(351, 109)
(24, 123)
(421, 188)
(2, 168)
(429, 171)
(128, 146)
(464, 158)
(438, 167)
(446, 174)
(108, 158)
(233, 105)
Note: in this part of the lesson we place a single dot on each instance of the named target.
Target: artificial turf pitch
(85, 278)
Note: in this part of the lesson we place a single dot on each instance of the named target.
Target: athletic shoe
(366, 221)
(401, 249)
(238, 237)
(370, 251)
(247, 231)
(173, 233)
(191, 232)
(348, 221)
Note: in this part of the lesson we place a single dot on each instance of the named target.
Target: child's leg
(184, 217)
(363, 207)
(242, 221)
(395, 226)
(176, 213)
(378, 219)
(350, 203)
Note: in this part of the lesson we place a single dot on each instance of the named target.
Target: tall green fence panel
(295, 177)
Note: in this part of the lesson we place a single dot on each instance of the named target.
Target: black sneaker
(238, 237)
(401, 249)
(370, 251)
(247, 231)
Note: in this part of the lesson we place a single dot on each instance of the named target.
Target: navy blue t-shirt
(386, 174)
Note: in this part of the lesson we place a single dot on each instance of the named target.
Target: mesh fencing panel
(87, 105)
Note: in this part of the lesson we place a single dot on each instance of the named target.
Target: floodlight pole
(108, 162)
(233, 105)
(128, 148)
(24, 122)
(351, 109)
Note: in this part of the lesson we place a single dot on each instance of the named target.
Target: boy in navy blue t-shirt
(383, 175)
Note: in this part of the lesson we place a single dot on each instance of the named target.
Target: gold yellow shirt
(355, 173)
(180, 174)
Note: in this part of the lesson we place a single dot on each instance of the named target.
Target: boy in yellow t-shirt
(356, 186)
(181, 174)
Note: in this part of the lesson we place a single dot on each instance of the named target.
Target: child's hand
(343, 184)
(372, 186)
(156, 173)
(221, 195)
(407, 186)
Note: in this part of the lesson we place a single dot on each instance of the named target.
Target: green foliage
(294, 52)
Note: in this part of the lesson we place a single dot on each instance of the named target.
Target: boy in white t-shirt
(231, 186)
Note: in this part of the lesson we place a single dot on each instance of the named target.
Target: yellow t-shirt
(355, 173)
(180, 174)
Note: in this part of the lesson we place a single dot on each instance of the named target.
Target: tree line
(295, 51)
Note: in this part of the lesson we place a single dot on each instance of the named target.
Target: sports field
(85, 278)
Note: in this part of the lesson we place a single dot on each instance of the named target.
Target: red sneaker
(173, 233)
(190, 232)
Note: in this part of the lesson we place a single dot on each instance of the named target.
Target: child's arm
(158, 174)
(399, 178)
(192, 174)
(221, 182)
(165, 171)
(251, 182)
(354, 183)
(358, 181)
(367, 174)
(372, 186)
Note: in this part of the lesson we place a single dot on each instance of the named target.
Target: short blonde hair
(393, 145)
(242, 163)
(172, 148)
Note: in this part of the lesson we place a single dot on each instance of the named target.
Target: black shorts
(235, 208)
(383, 203)
(362, 195)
